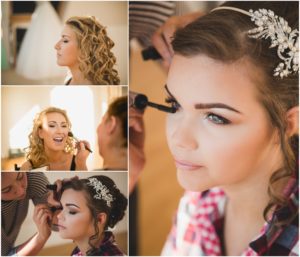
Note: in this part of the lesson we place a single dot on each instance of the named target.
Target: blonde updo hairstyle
(96, 59)
(36, 151)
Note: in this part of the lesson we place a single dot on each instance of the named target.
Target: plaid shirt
(199, 223)
(108, 247)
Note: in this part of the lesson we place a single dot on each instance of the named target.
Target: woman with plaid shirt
(234, 84)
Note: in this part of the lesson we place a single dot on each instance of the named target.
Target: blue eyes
(217, 119)
(212, 117)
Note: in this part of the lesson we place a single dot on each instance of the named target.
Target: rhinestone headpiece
(282, 36)
(102, 192)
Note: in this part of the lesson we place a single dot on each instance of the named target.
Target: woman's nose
(59, 215)
(183, 137)
(57, 45)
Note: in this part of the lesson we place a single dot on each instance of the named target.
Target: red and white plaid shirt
(198, 226)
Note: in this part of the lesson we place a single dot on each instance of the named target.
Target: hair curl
(114, 213)
(222, 35)
(96, 59)
(36, 151)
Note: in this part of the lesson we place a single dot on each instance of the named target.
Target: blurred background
(41, 22)
(56, 246)
(155, 199)
(85, 107)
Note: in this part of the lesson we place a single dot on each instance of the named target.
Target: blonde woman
(51, 146)
(85, 49)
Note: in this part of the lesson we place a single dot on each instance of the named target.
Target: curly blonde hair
(35, 153)
(96, 59)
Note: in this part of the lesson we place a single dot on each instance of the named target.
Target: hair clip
(102, 192)
(277, 29)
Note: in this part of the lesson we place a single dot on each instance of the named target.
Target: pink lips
(184, 165)
(60, 226)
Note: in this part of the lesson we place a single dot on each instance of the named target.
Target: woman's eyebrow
(65, 36)
(53, 121)
(72, 205)
(216, 105)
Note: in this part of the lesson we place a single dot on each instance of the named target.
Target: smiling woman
(85, 49)
(51, 145)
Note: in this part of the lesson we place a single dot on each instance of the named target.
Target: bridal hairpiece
(282, 36)
(102, 192)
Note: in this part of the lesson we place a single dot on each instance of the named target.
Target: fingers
(42, 213)
(83, 146)
(136, 120)
(59, 185)
(162, 45)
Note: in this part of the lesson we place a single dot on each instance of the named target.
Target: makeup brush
(70, 134)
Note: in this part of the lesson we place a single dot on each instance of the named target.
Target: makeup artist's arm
(82, 155)
(163, 36)
(33, 246)
(136, 146)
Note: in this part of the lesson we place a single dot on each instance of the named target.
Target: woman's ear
(292, 118)
(112, 124)
(40, 133)
(102, 217)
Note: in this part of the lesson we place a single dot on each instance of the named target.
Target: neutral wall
(29, 228)
(158, 189)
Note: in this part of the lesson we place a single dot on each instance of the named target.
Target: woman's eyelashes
(217, 119)
(69, 211)
(54, 125)
(212, 117)
(172, 101)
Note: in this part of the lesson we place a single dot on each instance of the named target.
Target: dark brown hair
(114, 213)
(222, 35)
(119, 109)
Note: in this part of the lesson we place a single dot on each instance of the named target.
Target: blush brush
(70, 134)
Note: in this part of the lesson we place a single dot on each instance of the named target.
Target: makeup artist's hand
(136, 145)
(163, 36)
(52, 201)
(42, 217)
(82, 155)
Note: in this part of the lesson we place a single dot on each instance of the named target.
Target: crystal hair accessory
(102, 192)
(277, 29)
